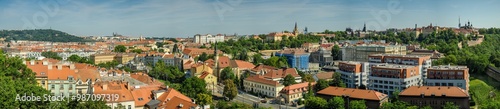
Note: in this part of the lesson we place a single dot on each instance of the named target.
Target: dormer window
(140, 99)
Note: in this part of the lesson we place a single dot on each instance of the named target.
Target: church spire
(459, 24)
(364, 27)
(295, 30)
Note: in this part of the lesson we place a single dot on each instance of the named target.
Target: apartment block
(423, 62)
(387, 78)
(354, 74)
(296, 58)
(446, 75)
(361, 52)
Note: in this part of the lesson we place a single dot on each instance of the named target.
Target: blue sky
(183, 18)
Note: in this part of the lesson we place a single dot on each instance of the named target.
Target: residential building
(275, 74)
(361, 52)
(296, 58)
(195, 52)
(421, 61)
(354, 74)
(202, 39)
(116, 88)
(435, 96)
(169, 98)
(239, 67)
(322, 56)
(387, 78)
(294, 92)
(446, 75)
(124, 58)
(264, 87)
(168, 59)
(102, 58)
(373, 99)
(435, 55)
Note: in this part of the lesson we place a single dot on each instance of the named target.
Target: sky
(185, 18)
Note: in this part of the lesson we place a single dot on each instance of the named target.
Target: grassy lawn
(480, 87)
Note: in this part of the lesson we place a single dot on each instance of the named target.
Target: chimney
(32, 62)
(72, 66)
(45, 62)
(105, 87)
(49, 66)
(59, 67)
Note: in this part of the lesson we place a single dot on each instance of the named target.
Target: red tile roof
(325, 75)
(261, 79)
(448, 91)
(353, 93)
(114, 87)
(172, 98)
(297, 88)
(243, 64)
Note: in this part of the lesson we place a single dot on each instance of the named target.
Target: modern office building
(421, 61)
(446, 75)
(322, 56)
(387, 78)
(296, 58)
(354, 74)
(361, 52)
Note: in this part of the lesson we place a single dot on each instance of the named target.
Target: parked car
(263, 101)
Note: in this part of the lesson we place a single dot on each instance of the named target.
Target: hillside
(40, 35)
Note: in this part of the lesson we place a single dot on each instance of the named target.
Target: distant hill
(40, 35)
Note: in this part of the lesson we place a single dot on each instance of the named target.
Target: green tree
(308, 78)
(227, 73)
(193, 86)
(336, 102)
(51, 54)
(74, 58)
(394, 105)
(16, 78)
(289, 80)
(138, 51)
(203, 99)
(175, 49)
(159, 44)
(450, 105)
(395, 95)
(257, 59)
(357, 104)
(336, 52)
(337, 81)
(316, 103)
(230, 90)
(120, 48)
(490, 105)
(203, 57)
(321, 84)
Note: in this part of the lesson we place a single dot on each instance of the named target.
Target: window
(43, 82)
(52, 86)
(129, 107)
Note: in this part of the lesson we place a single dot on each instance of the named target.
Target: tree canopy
(336, 102)
(50, 54)
(289, 80)
(316, 103)
(230, 90)
(357, 104)
(321, 84)
(193, 86)
(40, 35)
(120, 48)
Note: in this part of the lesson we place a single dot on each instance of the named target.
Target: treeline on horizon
(40, 35)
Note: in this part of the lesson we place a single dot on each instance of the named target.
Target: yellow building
(123, 58)
(198, 69)
(102, 58)
(210, 80)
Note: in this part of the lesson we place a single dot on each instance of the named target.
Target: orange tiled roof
(243, 64)
(448, 91)
(326, 75)
(143, 95)
(114, 87)
(297, 88)
(281, 73)
(261, 79)
(353, 93)
(146, 79)
(172, 98)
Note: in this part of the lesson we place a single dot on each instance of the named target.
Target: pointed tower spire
(295, 30)
(459, 24)
(364, 27)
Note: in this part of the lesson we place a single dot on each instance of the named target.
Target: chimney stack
(32, 62)
(105, 86)
(59, 67)
(49, 66)
(72, 66)
(45, 62)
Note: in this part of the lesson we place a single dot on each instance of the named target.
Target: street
(250, 99)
